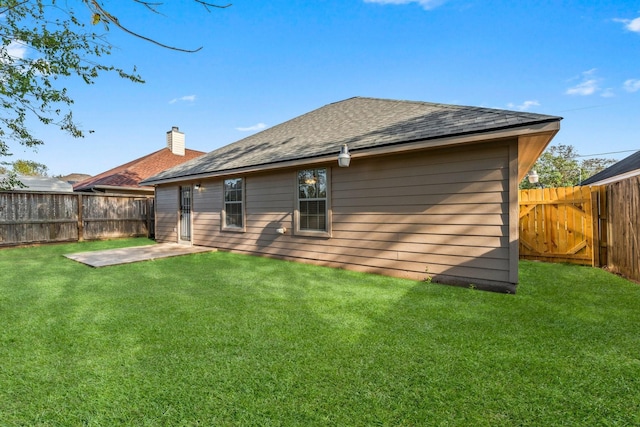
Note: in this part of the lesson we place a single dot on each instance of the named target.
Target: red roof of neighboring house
(130, 174)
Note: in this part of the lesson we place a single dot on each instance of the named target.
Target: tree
(30, 168)
(559, 166)
(42, 42)
(12, 170)
(595, 165)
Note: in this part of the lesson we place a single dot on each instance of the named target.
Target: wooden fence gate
(560, 225)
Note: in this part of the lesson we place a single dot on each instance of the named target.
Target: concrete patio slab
(135, 254)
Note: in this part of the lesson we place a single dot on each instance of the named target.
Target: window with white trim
(233, 214)
(313, 204)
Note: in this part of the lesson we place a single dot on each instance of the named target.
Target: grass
(225, 339)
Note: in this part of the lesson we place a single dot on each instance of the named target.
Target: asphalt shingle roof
(131, 174)
(359, 122)
(41, 183)
(625, 165)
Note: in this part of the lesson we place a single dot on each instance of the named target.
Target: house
(74, 178)
(625, 168)
(431, 190)
(41, 184)
(125, 179)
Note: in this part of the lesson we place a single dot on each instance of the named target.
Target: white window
(313, 213)
(233, 213)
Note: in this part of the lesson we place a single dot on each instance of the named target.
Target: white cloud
(187, 98)
(525, 105)
(426, 4)
(255, 127)
(608, 93)
(17, 49)
(630, 24)
(585, 88)
(16, 53)
(631, 85)
(588, 85)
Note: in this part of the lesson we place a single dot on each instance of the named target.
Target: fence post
(148, 207)
(603, 225)
(595, 225)
(80, 220)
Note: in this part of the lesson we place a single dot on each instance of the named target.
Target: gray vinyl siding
(445, 212)
(268, 206)
(166, 210)
(207, 204)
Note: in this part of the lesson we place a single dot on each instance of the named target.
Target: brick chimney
(175, 141)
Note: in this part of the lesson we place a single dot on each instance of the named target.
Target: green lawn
(224, 339)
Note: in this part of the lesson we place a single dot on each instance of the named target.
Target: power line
(603, 154)
(589, 107)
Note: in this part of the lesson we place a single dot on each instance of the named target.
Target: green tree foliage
(44, 42)
(12, 170)
(41, 42)
(592, 166)
(559, 166)
(29, 168)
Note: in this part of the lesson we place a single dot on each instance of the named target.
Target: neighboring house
(125, 179)
(431, 191)
(41, 184)
(74, 178)
(625, 168)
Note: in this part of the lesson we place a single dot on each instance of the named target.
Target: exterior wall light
(344, 158)
(196, 187)
(533, 177)
(281, 230)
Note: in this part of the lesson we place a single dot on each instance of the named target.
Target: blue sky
(264, 62)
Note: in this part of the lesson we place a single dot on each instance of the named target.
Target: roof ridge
(448, 106)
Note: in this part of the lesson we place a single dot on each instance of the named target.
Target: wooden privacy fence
(559, 225)
(27, 217)
(623, 227)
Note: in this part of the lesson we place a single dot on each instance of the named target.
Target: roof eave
(146, 189)
(614, 178)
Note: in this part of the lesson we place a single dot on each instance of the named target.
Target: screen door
(185, 213)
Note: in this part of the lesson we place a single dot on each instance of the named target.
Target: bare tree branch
(114, 20)
(150, 6)
(206, 4)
